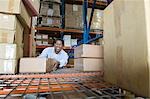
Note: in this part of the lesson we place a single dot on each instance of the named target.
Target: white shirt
(61, 57)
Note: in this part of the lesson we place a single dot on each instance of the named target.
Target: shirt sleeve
(64, 60)
(44, 53)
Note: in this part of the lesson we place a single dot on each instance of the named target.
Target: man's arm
(44, 53)
(64, 60)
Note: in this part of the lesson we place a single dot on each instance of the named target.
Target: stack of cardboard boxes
(74, 19)
(50, 13)
(73, 16)
(89, 57)
(14, 19)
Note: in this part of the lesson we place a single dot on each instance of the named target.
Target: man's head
(58, 45)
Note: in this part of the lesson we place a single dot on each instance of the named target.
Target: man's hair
(59, 40)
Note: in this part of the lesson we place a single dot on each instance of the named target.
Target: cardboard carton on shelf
(11, 30)
(8, 66)
(10, 51)
(88, 64)
(16, 7)
(67, 40)
(38, 36)
(35, 65)
(44, 36)
(88, 51)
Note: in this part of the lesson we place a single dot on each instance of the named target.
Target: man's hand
(55, 65)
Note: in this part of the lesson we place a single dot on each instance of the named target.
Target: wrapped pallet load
(127, 45)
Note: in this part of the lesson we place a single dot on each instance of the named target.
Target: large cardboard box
(88, 64)
(73, 17)
(8, 66)
(35, 65)
(15, 7)
(88, 51)
(127, 45)
(56, 9)
(11, 30)
(10, 51)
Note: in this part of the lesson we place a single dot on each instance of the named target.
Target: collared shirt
(61, 57)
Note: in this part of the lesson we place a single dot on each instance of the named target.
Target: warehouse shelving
(72, 31)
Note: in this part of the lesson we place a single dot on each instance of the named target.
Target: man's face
(58, 46)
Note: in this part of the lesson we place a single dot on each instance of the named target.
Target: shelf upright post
(85, 25)
(91, 17)
(62, 12)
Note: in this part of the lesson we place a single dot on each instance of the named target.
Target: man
(56, 53)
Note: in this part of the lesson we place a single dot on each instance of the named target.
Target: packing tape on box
(11, 5)
(7, 66)
(4, 37)
(10, 51)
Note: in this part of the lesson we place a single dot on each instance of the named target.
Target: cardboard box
(73, 17)
(10, 51)
(45, 42)
(88, 51)
(44, 36)
(127, 43)
(8, 22)
(11, 30)
(38, 36)
(38, 42)
(73, 42)
(67, 40)
(8, 66)
(15, 7)
(56, 9)
(88, 64)
(35, 65)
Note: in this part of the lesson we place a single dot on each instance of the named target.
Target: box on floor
(16, 7)
(88, 64)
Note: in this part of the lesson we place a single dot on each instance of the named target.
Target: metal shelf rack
(53, 86)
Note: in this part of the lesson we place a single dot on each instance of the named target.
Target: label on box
(50, 12)
(75, 7)
(49, 21)
(38, 36)
(45, 36)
